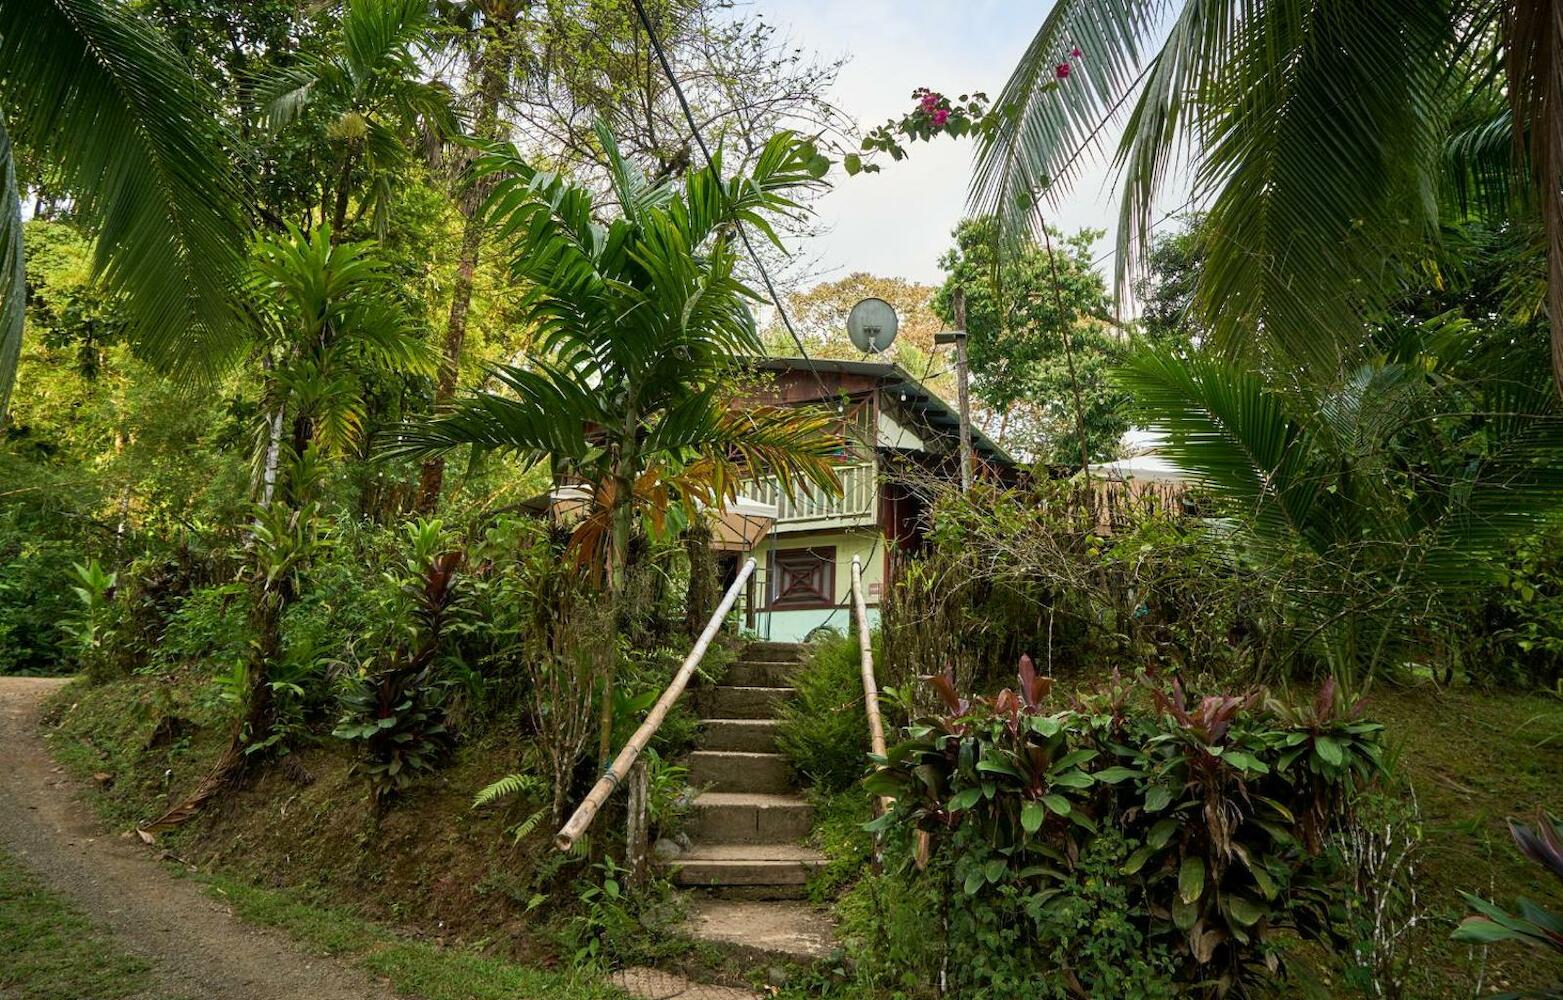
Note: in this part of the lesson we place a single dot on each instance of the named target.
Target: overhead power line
(743, 233)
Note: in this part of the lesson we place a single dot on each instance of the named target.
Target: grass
(1475, 758)
(52, 952)
(420, 968)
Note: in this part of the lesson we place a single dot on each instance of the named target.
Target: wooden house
(804, 550)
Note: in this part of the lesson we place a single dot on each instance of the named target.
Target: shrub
(392, 710)
(823, 730)
(1186, 832)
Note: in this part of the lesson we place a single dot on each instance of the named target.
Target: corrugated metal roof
(928, 405)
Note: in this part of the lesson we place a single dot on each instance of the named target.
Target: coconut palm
(1314, 131)
(1377, 502)
(639, 322)
(115, 120)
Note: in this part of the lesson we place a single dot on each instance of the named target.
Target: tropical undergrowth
(417, 668)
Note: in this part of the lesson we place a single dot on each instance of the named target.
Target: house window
(803, 578)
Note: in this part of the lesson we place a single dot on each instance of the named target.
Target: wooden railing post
(865, 645)
(582, 818)
(636, 824)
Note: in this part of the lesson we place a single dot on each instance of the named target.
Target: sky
(897, 222)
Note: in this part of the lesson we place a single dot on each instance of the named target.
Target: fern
(525, 828)
(510, 784)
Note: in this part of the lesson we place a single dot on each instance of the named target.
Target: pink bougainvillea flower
(930, 102)
(941, 116)
(1075, 52)
(1062, 71)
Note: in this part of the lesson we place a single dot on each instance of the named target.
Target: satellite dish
(872, 325)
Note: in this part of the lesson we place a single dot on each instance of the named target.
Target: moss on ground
(417, 968)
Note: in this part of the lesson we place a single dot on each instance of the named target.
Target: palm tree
(1375, 503)
(120, 125)
(1314, 131)
(327, 315)
(640, 321)
(370, 90)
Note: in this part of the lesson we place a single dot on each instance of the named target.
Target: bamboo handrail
(614, 776)
(876, 728)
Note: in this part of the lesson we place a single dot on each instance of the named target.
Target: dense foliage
(1124, 845)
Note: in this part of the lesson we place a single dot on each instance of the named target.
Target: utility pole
(957, 337)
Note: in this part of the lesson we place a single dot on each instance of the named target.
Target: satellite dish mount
(872, 325)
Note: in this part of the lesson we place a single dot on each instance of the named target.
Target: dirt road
(196, 947)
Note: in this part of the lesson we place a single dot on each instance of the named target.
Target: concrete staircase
(748, 819)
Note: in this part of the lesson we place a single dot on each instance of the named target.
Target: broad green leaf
(1157, 798)
(1191, 879)
(1161, 833)
(965, 799)
(1031, 815)
(1137, 860)
(1244, 910)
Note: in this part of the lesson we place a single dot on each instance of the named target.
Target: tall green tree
(1047, 391)
(329, 320)
(1314, 130)
(488, 36)
(641, 319)
(117, 122)
(368, 102)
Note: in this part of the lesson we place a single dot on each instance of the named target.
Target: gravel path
(196, 947)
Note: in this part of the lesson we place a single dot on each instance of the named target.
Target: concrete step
(733, 702)
(751, 735)
(740, 771)
(761, 932)
(749, 871)
(745, 879)
(761, 673)
(774, 652)
(744, 818)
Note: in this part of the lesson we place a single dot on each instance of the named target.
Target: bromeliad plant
(1214, 807)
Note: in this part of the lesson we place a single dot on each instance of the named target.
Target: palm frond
(1478, 164)
(1232, 432)
(546, 411)
(138, 142)
(1048, 130)
(1157, 134)
(375, 31)
(1320, 143)
(13, 278)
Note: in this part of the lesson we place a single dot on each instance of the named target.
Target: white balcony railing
(810, 505)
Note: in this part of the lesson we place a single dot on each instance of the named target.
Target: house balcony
(810, 508)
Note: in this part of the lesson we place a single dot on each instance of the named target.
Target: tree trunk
(343, 187)
(494, 73)
(617, 563)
